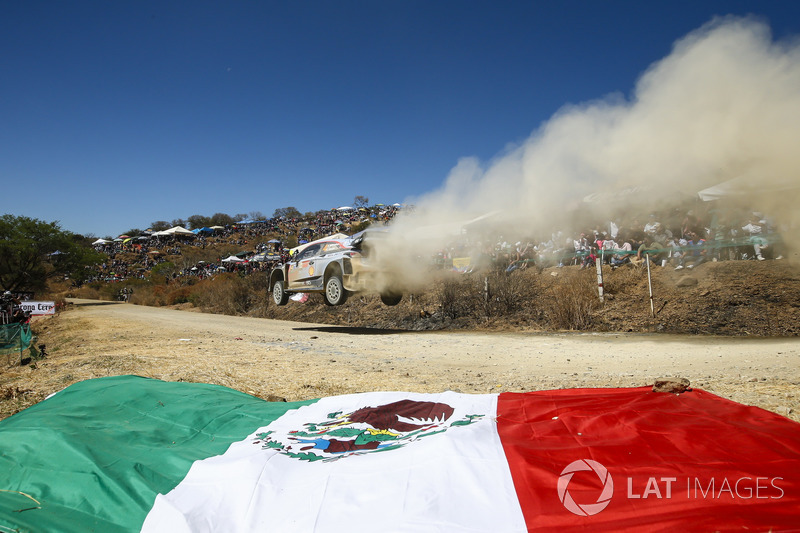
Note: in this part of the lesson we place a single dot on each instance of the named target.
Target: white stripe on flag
(451, 476)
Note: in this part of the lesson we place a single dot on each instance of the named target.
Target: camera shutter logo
(587, 509)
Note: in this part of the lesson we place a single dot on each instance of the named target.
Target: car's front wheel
(335, 293)
(279, 295)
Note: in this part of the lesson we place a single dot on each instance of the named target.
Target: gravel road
(291, 360)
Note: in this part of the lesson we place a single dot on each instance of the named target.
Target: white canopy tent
(177, 230)
(744, 186)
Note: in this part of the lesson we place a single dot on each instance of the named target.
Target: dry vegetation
(742, 298)
(730, 298)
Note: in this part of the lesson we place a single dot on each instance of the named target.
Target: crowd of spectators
(261, 244)
(675, 238)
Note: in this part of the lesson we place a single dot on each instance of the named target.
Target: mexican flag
(134, 454)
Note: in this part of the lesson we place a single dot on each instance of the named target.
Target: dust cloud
(725, 104)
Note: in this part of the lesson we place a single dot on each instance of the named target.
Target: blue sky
(117, 114)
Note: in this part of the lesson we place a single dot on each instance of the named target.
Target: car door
(302, 268)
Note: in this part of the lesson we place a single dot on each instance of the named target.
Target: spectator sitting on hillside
(622, 254)
(590, 258)
(654, 249)
(652, 225)
(694, 251)
(755, 230)
(691, 224)
(676, 252)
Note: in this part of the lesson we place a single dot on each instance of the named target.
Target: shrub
(178, 296)
(232, 294)
(508, 293)
(456, 297)
(571, 302)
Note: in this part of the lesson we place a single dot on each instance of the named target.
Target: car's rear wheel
(335, 293)
(391, 298)
(279, 295)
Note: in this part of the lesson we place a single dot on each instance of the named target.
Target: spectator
(755, 230)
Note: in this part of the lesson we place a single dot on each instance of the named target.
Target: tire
(335, 293)
(279, 295)
(391, 298)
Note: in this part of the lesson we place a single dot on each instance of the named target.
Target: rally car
(335, 267)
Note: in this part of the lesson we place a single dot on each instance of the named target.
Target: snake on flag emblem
(368, 429)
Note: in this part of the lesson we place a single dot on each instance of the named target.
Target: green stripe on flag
(94, 456)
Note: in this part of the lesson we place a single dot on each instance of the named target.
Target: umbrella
(273, 241)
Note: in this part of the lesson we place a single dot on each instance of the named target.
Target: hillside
(739, 298)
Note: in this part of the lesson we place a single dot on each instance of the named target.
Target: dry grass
(572, 301)
(275, 360)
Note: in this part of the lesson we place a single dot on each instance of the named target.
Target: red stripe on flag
(633, 459)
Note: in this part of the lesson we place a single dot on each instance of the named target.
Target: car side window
(309, 252)
(331, 248)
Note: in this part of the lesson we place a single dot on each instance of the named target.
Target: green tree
(198, 221)
(33, 251)
(288, 212)
(221, 219)
(160, 225)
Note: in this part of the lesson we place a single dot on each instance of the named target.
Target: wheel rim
(277, 292)
(333, 291)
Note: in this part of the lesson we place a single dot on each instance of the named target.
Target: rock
(274, 398)
(686, 281)
(673, 385)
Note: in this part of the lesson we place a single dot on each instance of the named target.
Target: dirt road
(296, 361)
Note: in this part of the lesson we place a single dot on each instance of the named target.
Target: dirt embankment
(276, 359)
(731, 298)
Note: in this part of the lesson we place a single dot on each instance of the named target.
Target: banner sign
(39, 308)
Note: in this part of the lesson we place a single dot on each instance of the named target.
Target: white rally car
(335, 266)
